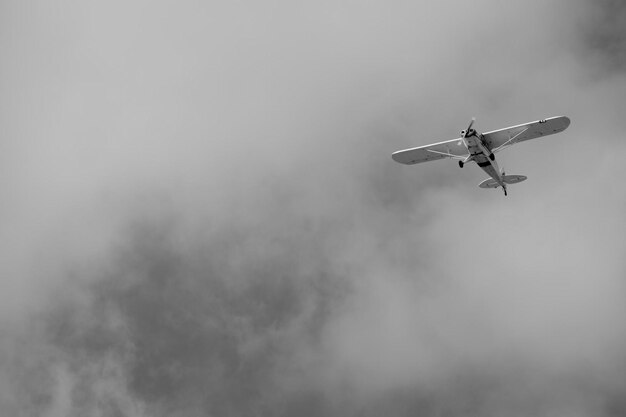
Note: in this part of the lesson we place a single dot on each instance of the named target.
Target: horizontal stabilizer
(507, 179)
(489, 183)
(513, 179)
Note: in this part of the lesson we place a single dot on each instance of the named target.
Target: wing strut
(505, 144)
(449, 155)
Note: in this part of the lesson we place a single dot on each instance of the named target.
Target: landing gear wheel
(492, 157)
(460, 164)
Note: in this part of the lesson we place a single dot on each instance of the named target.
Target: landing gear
(504, 192)
(492, 157)
(460, 164)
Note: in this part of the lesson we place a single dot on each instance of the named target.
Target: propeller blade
(471, 124)
(465, 132)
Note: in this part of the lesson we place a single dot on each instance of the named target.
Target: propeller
(466, 131)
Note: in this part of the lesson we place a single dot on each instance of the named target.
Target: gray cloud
(605, 34)
(201, 216)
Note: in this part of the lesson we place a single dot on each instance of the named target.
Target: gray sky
(200, 215)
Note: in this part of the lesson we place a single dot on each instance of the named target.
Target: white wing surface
(498, 139)
(449, 149)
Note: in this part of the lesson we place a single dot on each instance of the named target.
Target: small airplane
(482, 147)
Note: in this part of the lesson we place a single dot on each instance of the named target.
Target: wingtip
(564, 120)
(567, 121)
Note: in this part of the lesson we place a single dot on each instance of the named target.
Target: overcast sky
(200, 216)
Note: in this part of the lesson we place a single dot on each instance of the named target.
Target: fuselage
(481, 155)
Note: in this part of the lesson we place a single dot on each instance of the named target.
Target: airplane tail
(507, 179)
(513, 179)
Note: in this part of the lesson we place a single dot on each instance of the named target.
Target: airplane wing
(499, 139)
(449, 149)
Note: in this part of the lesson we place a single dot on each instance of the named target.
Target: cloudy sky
(200, 216)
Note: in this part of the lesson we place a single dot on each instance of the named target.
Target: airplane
(481, 148)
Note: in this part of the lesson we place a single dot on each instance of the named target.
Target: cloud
(201, 216)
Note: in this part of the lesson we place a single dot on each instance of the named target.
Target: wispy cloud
(201, 215)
